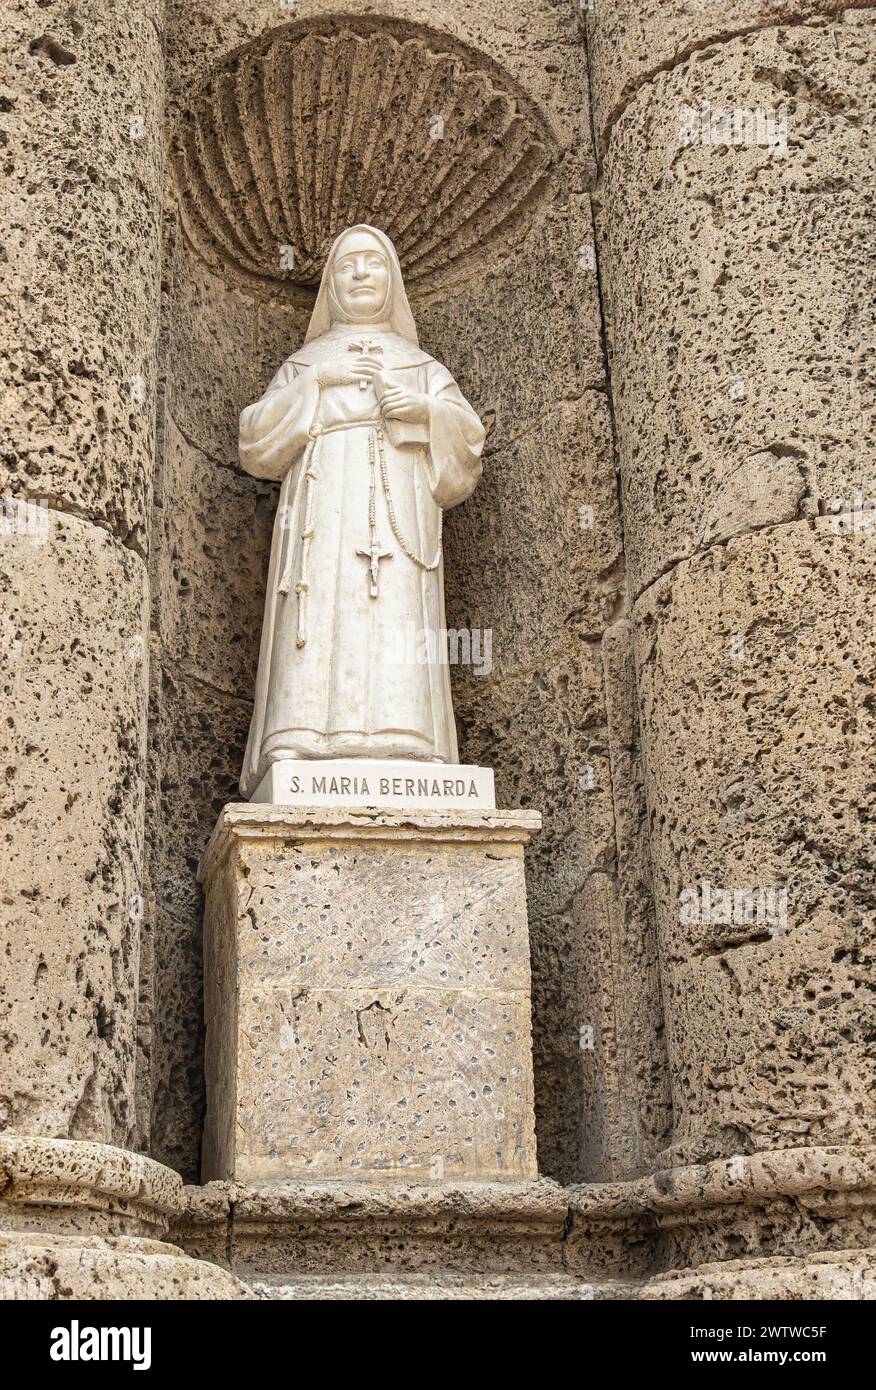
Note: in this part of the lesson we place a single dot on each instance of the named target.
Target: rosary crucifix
(374, 554)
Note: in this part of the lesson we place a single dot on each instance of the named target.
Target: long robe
(343, 673)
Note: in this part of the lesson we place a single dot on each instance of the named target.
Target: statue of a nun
(372, 439)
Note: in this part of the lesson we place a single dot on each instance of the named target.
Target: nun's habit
(352, 660)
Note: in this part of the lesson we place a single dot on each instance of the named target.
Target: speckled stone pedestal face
(367, 990)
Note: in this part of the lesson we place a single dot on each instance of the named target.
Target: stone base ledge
(269, 1230)
(364, 1288)
(46, 1184)
(840, 1276)
(794, 1218)
(790, 1202)
(85, 1220)
(248, 821)
(81, 1220)
(35, 1266)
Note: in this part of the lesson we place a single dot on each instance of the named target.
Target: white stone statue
(372, 439)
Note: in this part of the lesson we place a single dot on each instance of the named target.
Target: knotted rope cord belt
(374, 553)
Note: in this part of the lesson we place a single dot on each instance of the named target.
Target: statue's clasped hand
(337, 374)
(396, 402)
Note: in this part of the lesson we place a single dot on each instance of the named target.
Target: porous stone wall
(81, 129)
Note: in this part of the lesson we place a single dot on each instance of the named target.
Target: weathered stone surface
(447, 1287)
(462, 181)
(108, 1268)
(770, 1206)
(643, 1112)
(517, 338)
(840, 1276)
(82, 125)
(204, 33)
(561, 698)
(215, 537)
(739, 282)
(74, 615)
(132, 1195)
(85, 1220)
(546, 506)
(772, 1215)
(757, 663)
(367, 995)
(277, 1231)
(631, 41)
(347, 1081)
(197, 742)
(212, 362)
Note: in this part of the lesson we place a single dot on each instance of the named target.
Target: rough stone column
(739, 296)
(82, 112)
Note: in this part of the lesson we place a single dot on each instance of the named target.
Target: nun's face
(360, 278)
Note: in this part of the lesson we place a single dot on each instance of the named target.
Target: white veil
(327, 308)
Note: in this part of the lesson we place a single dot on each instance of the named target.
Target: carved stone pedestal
(367, 992)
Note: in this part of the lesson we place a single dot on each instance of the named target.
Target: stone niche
(470, 155)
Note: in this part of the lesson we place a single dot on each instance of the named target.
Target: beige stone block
(367, 995)
(382, 1082)
(83, 157)
(74, 613)
(755, 665)
(739, 279)
(629, 41)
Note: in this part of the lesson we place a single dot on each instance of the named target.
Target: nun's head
(360, 278)
(362, 284)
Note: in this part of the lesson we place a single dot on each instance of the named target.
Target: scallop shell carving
(315, 129)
